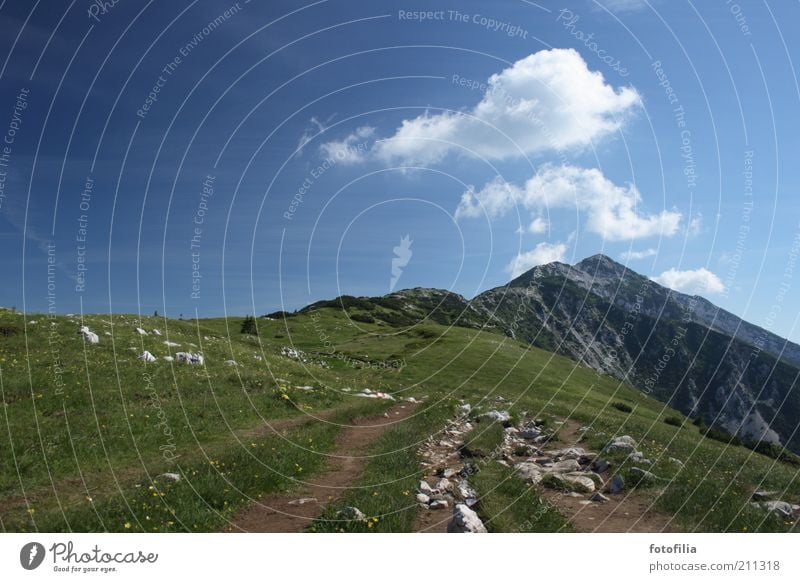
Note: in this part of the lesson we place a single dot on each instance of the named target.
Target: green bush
(674, 421)
(622, 407)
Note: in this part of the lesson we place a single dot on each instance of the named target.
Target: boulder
(422, 498)
(616, 485)
(140, 331)
(779, 508)
(641, 477)
(444, 485)
(600, 466)
(579, 483)
(529, 472)
(425, 488)
(622, 443)
(169, 477)
(438, 504)
(465, 520)
(639, 458)
(90, 337)
(146, 356)
(566, 466)
(351, 514)
(498, 415)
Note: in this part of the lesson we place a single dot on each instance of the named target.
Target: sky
(221, 158)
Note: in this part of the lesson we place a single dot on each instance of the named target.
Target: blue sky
(290, 147)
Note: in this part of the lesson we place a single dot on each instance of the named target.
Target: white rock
(169, 359)
(530, 472)
(465, 520)
(231, 363)
(156, 332)
(351, 514)
(438, 504)
(444, 485)
(425, 488)
(170, 344)
(147, 356)
(622, 443)
(140, 331)
(303, 501)
(580, 483)
(170, 477)
(422, 498)
(465, 408)
(780, 508)
(565, 466)
(498, 415)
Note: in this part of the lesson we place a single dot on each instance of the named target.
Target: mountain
(682, 350)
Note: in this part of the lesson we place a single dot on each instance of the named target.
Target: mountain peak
(600, 265)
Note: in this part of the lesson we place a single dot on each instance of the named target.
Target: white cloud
(632, 255)
(693, 282)
(541, 254)
(539, 225)
(611, 211)
(350, 150)
(548, 101)
(695, 225)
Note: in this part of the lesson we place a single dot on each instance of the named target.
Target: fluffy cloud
(350, 150)
(632, 255)
(541, 254)
(539, 225)
(693, 282)
(611, 211)
(548, 101)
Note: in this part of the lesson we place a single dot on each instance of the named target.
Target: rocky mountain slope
(681, 349)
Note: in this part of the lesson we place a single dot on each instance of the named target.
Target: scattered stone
(465, 520)
(569, 453)
(616, 485)
(422, 498)
(169, 359)
(438, 504)
(600, 466)
(641, 477)
(498, 415)
(169, 477)
(351, 514)
(303, 501)
(530, 472)
(425, 488)
(449, 473)
(639, 458)
(580, 483)
(623, 443)
(780, 508)
(676, 461)
(231, 363)
(156, 332)
(140, 331)
(566, 466)
(599, 497)
(465, 409)
(468, 469)
(146, 356)
(444, 485)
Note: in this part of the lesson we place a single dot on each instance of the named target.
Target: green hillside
(88, 428)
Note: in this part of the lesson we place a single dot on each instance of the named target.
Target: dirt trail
(629, 511)
(294, 512)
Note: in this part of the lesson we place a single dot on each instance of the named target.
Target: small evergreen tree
(249, 325)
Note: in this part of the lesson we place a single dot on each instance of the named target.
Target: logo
(402, 256)
(31, 555)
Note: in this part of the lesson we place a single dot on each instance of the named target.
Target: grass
(105, 418)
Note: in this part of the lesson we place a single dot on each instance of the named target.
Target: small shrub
(362, 317)
(674, 421)
(622, 407)
(249, 326)
(721, 435)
